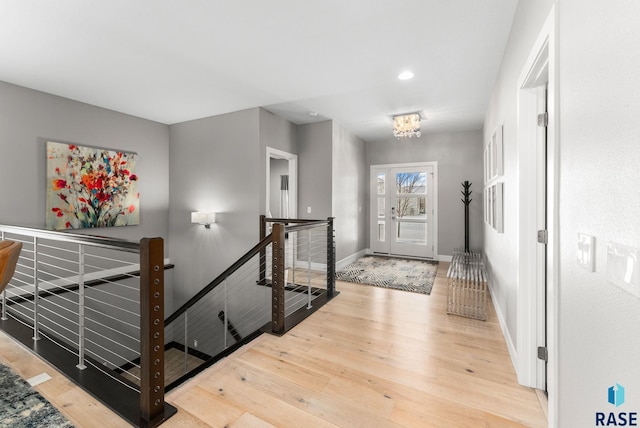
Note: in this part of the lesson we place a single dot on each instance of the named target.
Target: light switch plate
(586, 252)
(622, 267)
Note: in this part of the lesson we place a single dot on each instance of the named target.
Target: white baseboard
(350, 259)
(439, 257)
(513, 353)
(444, 258)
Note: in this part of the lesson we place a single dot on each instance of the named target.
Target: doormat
(21, 406)
(416, 276)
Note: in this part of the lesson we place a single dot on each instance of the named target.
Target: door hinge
(543, 236)
(543, 354)
(543, 119)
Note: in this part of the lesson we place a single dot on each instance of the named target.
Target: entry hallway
(372, 357)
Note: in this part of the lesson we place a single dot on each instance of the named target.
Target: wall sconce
(203, 218)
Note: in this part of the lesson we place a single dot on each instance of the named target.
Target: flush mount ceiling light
(406, 125)
(405, 75)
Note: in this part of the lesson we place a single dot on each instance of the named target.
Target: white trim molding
(272, 153)
(511, 347)
(352, 258)
(533, 323)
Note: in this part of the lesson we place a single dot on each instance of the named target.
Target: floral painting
(90, 187)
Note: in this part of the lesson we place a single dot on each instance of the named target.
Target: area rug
(416, 276)
(21, 406)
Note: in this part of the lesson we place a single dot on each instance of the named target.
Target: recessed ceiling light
(405, 75)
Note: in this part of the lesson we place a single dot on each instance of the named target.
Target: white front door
(402, 209)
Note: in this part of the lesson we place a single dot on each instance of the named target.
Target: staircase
(93, 307)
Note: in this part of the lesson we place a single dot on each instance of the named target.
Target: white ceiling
(176, 60)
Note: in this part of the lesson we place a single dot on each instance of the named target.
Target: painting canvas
(90, 187)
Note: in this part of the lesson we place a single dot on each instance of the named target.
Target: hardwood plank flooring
(174, 367)
(371, 357)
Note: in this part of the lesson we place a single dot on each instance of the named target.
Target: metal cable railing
(66, 291)
(305, 265)
(239, 303)
(102, 301)
(83, 293)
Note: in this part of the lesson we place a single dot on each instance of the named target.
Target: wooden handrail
(308, 225)
(287, 220)
(213, 284)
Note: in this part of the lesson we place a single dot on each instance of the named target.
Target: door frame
(373, 197)
(272, 153)
(540, 68)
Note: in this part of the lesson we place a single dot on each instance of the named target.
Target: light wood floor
(174, 367)
(372, 357)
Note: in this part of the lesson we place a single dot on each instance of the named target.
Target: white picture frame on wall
(498, 207)
(485, 204)
(497, 154)
(490, 160)
(485, 168)
(493, 195)
(493, 198)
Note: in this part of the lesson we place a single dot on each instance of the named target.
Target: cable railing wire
(59, 272)
(206, 327)
(48, 274)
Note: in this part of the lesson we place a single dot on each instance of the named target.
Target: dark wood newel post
(151, 332)
(278, 281)
(263, 254)
(331, 259)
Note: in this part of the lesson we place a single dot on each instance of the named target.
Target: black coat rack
(466, 201)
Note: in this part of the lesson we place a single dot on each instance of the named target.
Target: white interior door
(402, 210)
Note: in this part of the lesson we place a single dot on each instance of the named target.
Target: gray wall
(501, 249)
(598, 45)
(350, 184)
(276, 133)
(28, 119)
(459, 157)
(597, 333)
(214, 166)
(315, 170)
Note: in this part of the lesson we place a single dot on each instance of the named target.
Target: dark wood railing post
(331, 259)
(278, 281)
(263, 254)
(151, 332)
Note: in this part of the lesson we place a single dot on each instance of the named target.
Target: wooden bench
(467, 294)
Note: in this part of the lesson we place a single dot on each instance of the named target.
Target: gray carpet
(21, 406)
(416, 276)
